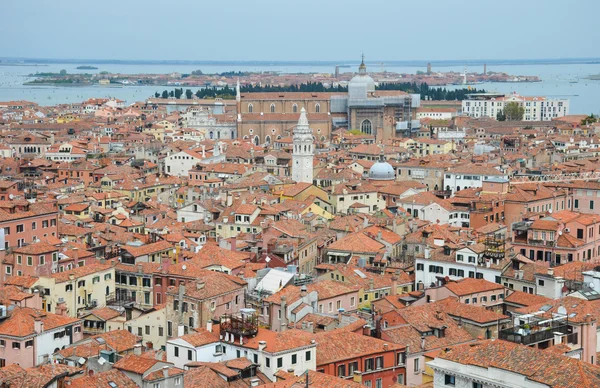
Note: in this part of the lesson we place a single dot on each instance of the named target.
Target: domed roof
(363, 79)
(382, 171)
(361, 84)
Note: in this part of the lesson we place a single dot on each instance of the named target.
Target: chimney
(165, 370)
(303, 291)
(180, 330)
(357, 377)
(379, 235)
(422, 342)
(371, 284)
(38, 325)
(385, 347)
(166, 263)
(140, 268)
(254, 382)
(209, 325)
(394, 290)
(262, 345)
(137, 349)
(339, 317)
(61, 307)
(551, 272)
(283, 309)
(200, 284)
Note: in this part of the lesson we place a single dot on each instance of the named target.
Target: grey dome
(382, 171)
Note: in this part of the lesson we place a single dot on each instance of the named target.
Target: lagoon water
(558, 80)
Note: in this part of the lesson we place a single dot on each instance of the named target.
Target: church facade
(265, 117)
(385, 114)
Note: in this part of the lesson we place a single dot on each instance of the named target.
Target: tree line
(227, 93)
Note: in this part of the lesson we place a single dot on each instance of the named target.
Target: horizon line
(288, 62)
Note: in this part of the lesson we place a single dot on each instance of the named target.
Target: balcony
(540, 243)
(536, 332)
(241, 325)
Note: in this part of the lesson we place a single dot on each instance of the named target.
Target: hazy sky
(299, 30)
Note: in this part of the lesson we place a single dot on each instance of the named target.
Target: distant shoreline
(341, 63)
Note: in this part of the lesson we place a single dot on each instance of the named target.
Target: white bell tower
(302, 156)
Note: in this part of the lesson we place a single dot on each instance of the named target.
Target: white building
(283, 353)
(471, 176)
(536, 108)
(467, 262)
(302, 156)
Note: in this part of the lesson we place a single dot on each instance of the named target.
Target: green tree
(500, 116)
(165, 94)
(63, 72)
(188, 94)
(591, 119)
(157, 94)
(513, 111)
(171, 94)
(197, 72)
(178, 93)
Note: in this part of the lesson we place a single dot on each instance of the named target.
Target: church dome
(382, 171)
(363, 79)
(361, 84)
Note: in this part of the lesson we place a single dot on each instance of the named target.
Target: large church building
(385, 114)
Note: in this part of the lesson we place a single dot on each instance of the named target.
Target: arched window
(366, 127)
(250, 108)
(256, 140)
(272, 108)
(278, 137)
(268, 139)
(318, 108)
(211, 135)
(245, 137)
(295, 108)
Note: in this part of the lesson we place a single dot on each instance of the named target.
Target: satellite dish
(591, 285)
(560, 232)
(11, 196)
(184, 267)
(562, 310)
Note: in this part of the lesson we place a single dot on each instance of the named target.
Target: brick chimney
(394, 290)
(38, 325)
(283, 309)
(61, 307)
(165, 264)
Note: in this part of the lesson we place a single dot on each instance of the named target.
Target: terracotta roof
(79, 272)
(135, 364)
(547, 368)
(357, 242)
(102, 380)
(524, 299)
(470, 286)
(336, 345)
(147, 249)
(20, 322)
(105, 313)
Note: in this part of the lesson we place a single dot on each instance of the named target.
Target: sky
(307, 30)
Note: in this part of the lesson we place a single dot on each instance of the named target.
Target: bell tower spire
(362, 69)
(302, 155)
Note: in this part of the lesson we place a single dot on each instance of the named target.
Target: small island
(86, 67)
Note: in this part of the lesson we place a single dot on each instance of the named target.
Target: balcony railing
(541, 242)
(527, 336)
